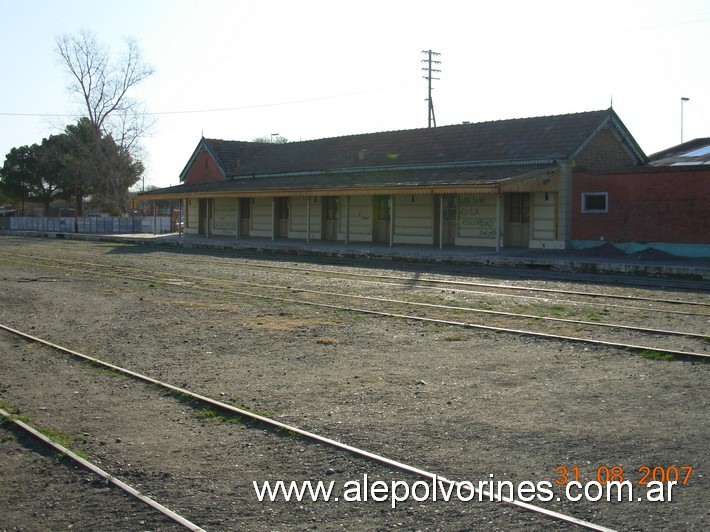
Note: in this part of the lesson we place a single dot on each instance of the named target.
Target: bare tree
(103, 86)
(273, 139)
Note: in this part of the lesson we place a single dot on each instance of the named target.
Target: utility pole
(429, 77)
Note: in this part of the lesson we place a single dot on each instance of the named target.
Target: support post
(554, 215)
(308, 219)
(347, 220)
(498, 205)
(441, 222)
(181, 218)
(237, 214)
(390, 202)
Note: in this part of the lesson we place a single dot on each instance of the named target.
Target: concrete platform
(606, 259)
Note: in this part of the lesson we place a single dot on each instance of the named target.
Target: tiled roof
(504, 141)
(479, 156)
(228, 152)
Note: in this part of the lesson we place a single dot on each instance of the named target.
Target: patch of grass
(210, 414)
(110, 372)
(558, 309)
(659, 355)
(61, 438)
(202, 412)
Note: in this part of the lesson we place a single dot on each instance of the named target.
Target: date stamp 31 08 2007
(652, 478)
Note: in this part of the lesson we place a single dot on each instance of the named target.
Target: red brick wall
(645, 205)
(605, 152)
(204, 170)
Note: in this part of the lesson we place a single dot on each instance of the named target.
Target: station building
(499, 184)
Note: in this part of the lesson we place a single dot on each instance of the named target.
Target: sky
(309, 69)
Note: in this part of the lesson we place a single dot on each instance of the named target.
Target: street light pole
(682, 101)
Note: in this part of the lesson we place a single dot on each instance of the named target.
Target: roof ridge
(447, 126)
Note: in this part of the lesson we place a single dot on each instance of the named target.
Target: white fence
(110, 224)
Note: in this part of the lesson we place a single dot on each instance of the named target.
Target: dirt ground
(460, 403)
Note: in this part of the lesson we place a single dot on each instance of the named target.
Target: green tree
(101, 169)
(75, 164)
(17, 172)
(37, 173)
(53, 179)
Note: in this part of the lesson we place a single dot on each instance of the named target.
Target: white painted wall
(360, 218)
(224, 217)
(261, 218)
(298, 217)
(414, 219)
(477, 220)
(542, 218)
(192, 216)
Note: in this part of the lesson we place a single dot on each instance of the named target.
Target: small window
(595, 202)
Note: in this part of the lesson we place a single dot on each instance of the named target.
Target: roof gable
(225, 153)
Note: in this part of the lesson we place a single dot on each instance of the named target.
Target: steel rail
(616, 279)
(468, 309)
(465, 291)
(90, 466)
(519, 332)
(412, 303)
(408, 280)
(395, 464)
(424, 281)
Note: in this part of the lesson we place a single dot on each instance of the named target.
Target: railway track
(409, 469)
(416, 274)
(96, 470)
(633, 334)
(314, 263)
(211, 334)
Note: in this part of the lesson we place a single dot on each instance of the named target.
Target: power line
(429, 77)
(221, 109)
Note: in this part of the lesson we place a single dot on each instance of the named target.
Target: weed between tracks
(209, 413)
(659, 355)
(64, 439)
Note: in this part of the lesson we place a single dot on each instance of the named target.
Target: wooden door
(204, 207)
(281, 217)
(244, 216)
(330, 218)
(381, 220)
(449, 220)
(517, 230)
